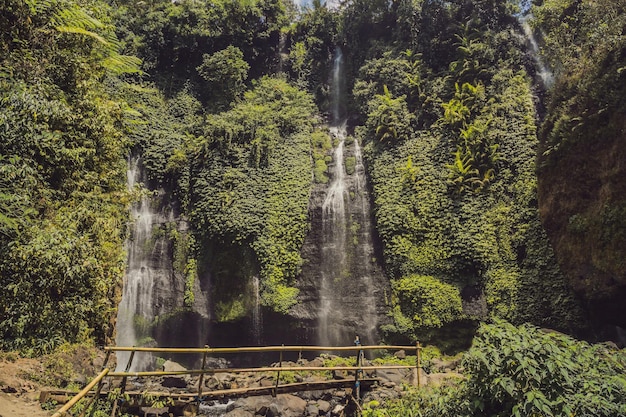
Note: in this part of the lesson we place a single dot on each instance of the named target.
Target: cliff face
(582, 201)
(582, 162)
(343, 290)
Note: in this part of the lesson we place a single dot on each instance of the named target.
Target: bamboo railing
(358, 369)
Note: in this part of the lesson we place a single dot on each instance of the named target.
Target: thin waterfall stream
(257, 317)
(543, 71)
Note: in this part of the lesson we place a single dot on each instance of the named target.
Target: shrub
(427, 301)
(526, 371)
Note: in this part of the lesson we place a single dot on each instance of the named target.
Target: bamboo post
(280, 365)
(99, 389)
(106, 359)
(359, 364)
(418, 363)
(124, 379)
(94, 398)
(81, 394)
(201, 379)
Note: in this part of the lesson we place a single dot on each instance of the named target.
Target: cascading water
(137, 295)
(544, 73)
(146, 258)
(349, 287)
(257, 318)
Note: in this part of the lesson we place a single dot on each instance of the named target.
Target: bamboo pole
(263, 369)
(100, 385)
(359, 364)
(280, 365)
(257, 349)
(418, 363)
(201, 379)
(81, 394)
(94, 398)
(124, 380)
(297, 386)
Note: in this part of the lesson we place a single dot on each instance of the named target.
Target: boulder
(290, 405)
(323, 406)
(171, 366)
(312, 410)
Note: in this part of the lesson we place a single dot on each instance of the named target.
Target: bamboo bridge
(188, 402)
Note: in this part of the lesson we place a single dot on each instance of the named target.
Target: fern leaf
(82, 31)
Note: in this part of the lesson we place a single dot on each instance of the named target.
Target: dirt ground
(19, 397)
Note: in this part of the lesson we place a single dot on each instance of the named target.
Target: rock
(439, 379)
(340, 374)
(266, 382)
(212, 383)
(312, 410)
(80, 379)
(439, 365)
(171, 366)
(290, 405)
(401, 354)
(190, 410)
(238, 412)
(273, 411)
(174, 382)
(262, 410)
(395, 376)
(317, 362)
(312, 395)
(340, 394)
(338, 410)
(324, 406)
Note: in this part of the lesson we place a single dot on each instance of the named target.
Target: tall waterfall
(146, 258)
(349, 292)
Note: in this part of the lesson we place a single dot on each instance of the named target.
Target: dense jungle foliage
(226, 102)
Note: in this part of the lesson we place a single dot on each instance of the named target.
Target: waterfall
(136, 309)
(350, 285)
(337, 88)
(334, 232)
(544, 73)
(257, 318)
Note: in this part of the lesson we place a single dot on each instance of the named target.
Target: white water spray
(257, 318)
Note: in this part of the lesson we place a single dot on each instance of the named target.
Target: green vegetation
(62, 193)
(525, 371)
(451, 141)
(581, 140)
(224, 102)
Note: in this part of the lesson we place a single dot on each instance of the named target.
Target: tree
(225, 73)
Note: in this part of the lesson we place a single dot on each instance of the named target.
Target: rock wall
(582, 201)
